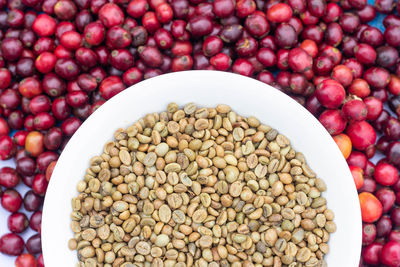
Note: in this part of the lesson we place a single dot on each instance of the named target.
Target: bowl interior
(205, 88)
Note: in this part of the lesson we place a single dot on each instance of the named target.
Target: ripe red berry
(362, 134)
(386, 174)
(44, 25)
(330, 93)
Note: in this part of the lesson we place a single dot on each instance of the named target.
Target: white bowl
(206, 88)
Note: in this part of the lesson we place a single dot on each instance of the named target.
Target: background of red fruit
(56, 68)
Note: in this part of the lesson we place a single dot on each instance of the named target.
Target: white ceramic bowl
(206, 88)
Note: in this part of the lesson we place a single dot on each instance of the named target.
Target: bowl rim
(73, 144)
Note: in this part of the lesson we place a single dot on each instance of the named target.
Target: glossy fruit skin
(392, 35)
(151, 56)
(386, 174)
(200, 26)
(393, 153)
(26, 260)
(362, 134)
(369, 169)
(137, 8)
(377, 77)
(52, 85)
(279, 13)
(285, 36)
(26, 166)
(344, 144)
(32, 202)
(5, 78)
(70, 125)
(67, 69)
(111, 15)
(132, 76)
(387, 197)
(40, 103)
(383, 144)
(17, 222)
(330, 94)
(11, 200)
(34, 143)
(16, 120)
(9, 99)
(380, 122)
(390, 254)
(19, 137)
(245, 8)
(368, 186)
(94, 33)
(44, 159)
(333, 121)
(35, 221)
(45, 62)
(9, 177)
(257, 25)
(243, 67)
(53, 138)
(43, 121)
(246, 47)
(111, 86)
(4, 128)
(299, 60)
(223, 8)
(358, 176)
(392, 128)
(387, 56)
(40, 261)
(221, 61)
(266, 77)
(371, 253)
(30, 87)
(33, 244)
(394, 235)
(44, 25)
(355, 110)
(368, 233)
(365, 54)
(182, 63)
(7, 147)
(383, 226)
(11, 244)
(323, 65)
(394, 85)
(374, 106)
(371, 207)
(163, 38)
(49, 170)
(395, 216)
(71, 40)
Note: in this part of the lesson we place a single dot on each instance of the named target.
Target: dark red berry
(9, 177)
(11, 244)
(17, 222)
(70, 125)
(7, 147)
(36, 220)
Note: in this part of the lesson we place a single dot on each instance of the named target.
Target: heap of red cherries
(61, 59)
